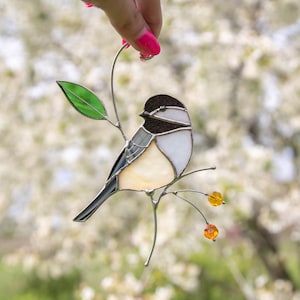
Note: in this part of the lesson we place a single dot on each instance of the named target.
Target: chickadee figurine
(155, 156)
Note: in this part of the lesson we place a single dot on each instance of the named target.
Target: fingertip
(148, 44)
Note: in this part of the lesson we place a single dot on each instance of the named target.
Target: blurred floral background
(236, 66)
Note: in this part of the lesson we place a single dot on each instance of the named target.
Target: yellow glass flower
(215, 198)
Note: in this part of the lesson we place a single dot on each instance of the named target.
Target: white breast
(150, 171)
(177, 146)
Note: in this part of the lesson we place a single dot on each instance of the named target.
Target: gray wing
(134, 148)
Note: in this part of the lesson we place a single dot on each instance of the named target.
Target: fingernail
(124, 42)
(148, 44)
(89, 4)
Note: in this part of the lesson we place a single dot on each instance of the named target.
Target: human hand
(137, 21)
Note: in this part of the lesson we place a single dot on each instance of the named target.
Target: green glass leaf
(83, 100)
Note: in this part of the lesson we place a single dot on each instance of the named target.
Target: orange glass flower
(211, 232)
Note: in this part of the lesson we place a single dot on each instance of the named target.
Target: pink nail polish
(148, 43)
(89, 4)
(125, 42)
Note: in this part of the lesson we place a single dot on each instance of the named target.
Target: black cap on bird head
(156, 123)
(155, 102)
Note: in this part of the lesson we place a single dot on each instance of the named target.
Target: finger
(151, 12)
(130, 24)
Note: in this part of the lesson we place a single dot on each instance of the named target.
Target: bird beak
(144, 114)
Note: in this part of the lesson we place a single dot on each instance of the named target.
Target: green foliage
(11, 282)
(17, 285)
(215, 279)
(61, 288)
(290, 252)
(83, 100)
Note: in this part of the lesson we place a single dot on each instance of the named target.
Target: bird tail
(109, 189)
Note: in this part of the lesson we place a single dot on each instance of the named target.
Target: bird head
(163, 113)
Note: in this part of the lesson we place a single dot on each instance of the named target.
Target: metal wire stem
(118, 125)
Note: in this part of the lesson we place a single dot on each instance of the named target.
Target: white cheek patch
(177, 146)
(178, 115)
